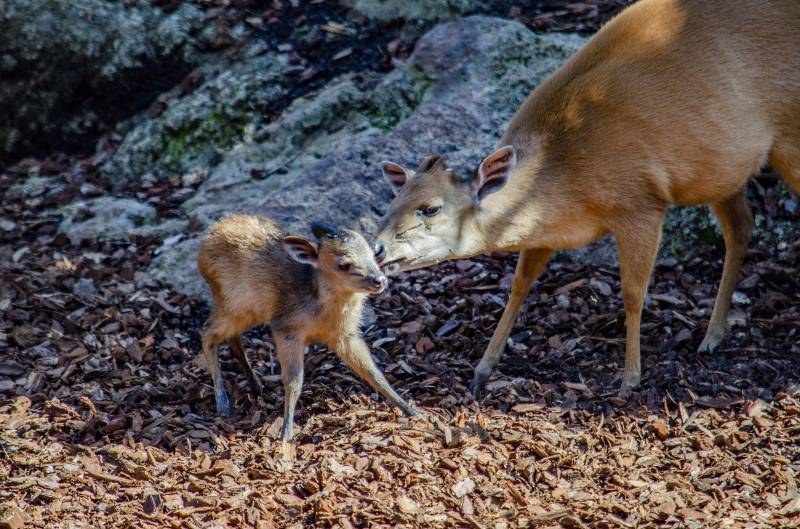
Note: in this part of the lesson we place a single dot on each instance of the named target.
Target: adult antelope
(672, 102)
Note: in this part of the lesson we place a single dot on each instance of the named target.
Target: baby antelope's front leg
(290, 355)
(355, 353)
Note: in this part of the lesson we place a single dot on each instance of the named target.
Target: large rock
(394, 10)
(69, 66)
(113, 218)
(319, 158)
(195, 131)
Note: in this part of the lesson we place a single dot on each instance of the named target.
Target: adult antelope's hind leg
(529, 267)
(637, 246)
(785, 153)
(736, 221)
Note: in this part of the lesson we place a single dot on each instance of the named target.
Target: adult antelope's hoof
(709, 343)
(629, 383)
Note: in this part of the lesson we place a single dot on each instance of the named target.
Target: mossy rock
(70, 67)
(197, 129)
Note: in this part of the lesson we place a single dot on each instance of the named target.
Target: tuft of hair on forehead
(343, 237)
(430, 162)
(323, 229)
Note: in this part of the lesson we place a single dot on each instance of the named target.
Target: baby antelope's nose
(380, 251)
(379, 282)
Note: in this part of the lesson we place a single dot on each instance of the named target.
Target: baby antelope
(307, 293)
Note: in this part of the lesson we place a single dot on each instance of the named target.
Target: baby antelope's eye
(345, 267)
(429, 211)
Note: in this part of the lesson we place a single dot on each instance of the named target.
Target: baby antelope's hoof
(288, 451)
(625, 392)
(256, 390)
(223, 405)
(630, 381)
(410, 410)
(477, 386)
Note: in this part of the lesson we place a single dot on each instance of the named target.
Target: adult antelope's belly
(570, 234)
(710, 169)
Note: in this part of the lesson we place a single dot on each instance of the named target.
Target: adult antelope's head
(432, 216)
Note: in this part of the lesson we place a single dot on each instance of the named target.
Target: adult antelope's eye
(429, 211)
(344, 267)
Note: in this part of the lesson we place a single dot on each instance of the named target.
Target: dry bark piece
(407, 505)
(152, 502)
(11, 517)
(661, 429)
(463, 487)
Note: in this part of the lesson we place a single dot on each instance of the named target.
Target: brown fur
(254, 280)
(672, 102)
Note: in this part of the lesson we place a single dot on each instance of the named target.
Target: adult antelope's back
(672, 102)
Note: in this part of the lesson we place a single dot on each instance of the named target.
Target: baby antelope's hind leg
(237, 351)
(354, 352)
(736, 221)
(291, 352)
(211, 341)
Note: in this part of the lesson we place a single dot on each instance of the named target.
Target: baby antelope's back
(243, 261)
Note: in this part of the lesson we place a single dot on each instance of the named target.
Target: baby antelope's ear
(301, 250)
(396, 175)
(494, 170)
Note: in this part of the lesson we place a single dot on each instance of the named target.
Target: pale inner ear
(301, 250)
(395, 174)
(495, 169)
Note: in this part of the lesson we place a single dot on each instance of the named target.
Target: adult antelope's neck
(506, 220)
(503, 223)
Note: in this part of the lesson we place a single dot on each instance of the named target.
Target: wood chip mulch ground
(107, 415)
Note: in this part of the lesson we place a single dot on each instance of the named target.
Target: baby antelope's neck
(339, 308)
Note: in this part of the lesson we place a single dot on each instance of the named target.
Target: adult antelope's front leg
(529, 267)
(637, 246)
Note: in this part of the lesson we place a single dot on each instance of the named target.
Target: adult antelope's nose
(380, 251)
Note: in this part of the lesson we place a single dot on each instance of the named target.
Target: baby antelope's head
(343, 258)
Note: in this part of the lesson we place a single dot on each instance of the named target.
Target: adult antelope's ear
(301, 250)
(494, 170)
(396, 175)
